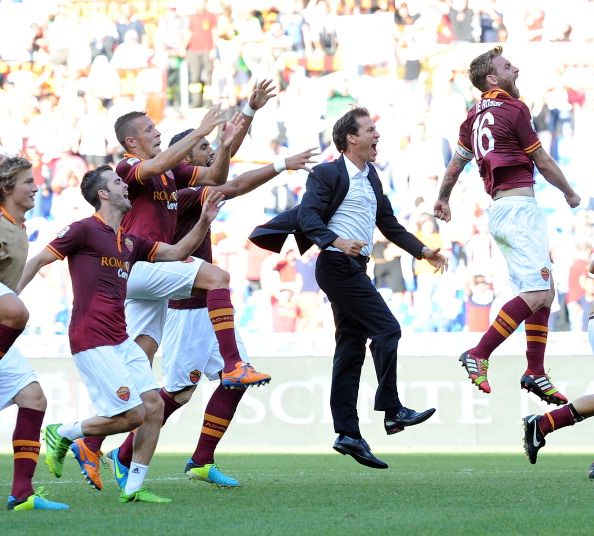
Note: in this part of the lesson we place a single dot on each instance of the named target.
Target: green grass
(445, 494)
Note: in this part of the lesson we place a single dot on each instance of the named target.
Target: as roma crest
(545, 273)
(129, 244)
(195, 376)
(123, 393)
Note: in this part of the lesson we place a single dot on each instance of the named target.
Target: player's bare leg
(147, 435)
(59, 437)
(148, 345)
(145, 442)
(181, 397)
(87, 450)
(13, 320)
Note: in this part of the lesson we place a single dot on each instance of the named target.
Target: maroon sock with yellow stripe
(558, 418)
(217, 417)
(25, 443)
(7, 337)
(169, 405)
(537, 330)
(220, 311)
(511, 315)
(94, 443)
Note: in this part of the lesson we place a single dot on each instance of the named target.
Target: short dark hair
(10, 166)
(122, 126)
(92, 182)
(480, 67)
(347, 124)
(179, 136)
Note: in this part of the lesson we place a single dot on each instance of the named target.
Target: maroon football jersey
(99, 261)
(154, 200)
(189, 208)
(499, 132)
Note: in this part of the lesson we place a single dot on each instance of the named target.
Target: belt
(363, 259)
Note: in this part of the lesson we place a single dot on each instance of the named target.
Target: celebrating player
(153, 177)
(153, 180)
(18, 382)
(190, 348)
(113, 367)
(499, 133)
(536, 427)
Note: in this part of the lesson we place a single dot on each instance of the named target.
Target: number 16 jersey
(499, 133)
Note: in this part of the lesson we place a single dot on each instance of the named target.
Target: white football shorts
(15, 371)
(190, 349)
(115, 376)
(519, 228)
(150, 287)
(15, 375)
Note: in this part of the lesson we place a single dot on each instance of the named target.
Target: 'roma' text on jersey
(99, 261)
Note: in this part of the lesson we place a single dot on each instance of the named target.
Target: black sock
(390, 414)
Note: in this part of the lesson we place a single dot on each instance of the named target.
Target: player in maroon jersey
(151, 285)
(18, 382)
(113, 367)
(154, 180)
(190, 348)
(499, 133)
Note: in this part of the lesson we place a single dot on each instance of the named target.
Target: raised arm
(182, 249)
(261, 94)
(33, 266)
(175, 153)
(219, 171)
(250, 180)
(441, 209)
(553, 175)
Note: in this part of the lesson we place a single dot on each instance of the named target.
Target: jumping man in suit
(342, 205)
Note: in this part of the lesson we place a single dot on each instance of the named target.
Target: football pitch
(422, 494)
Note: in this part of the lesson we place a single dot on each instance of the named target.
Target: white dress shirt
(355, 217)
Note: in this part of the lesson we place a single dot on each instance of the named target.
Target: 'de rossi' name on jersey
(499, 133)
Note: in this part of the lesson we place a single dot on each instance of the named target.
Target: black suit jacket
(327, 186)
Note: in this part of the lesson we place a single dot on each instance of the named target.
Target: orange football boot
(89, 463)
(243, 376)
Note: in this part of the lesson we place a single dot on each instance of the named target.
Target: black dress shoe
(358, 449)
(406, 417)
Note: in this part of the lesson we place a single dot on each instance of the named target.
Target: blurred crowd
(68, 69)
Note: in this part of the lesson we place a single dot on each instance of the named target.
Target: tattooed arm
(441, 208)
